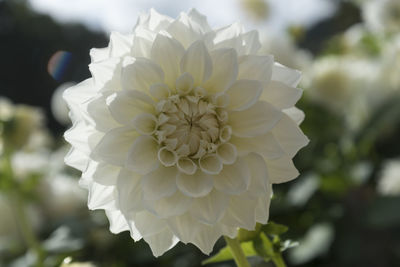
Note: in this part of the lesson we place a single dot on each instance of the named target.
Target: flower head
(182, 130)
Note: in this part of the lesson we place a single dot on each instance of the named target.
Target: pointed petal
(168, 52)
(259, 175)
(243, 94)
(241, 212)
(225, 70)
(197, 62)
(281, 170)
(281, 95)
(289, 136)
(254, 67)
(161, 242)
(102, 173)
(233, 179)
(295, 114)
(129, 192)
(195, 185)
(117, 221)
(159, 183)
(257, 120)
(101, 197)
(140, 73)
(288, 76)
(210, 208)
(142, 156)
(170, 206)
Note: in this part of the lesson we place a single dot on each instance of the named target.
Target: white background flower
(389, 181)
(182, 130)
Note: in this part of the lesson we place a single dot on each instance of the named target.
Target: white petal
(76, 159)
(120, 44)
(225, 70)
(251, 42)
(160, 91)
(254, 67)
(281, 170)
(174, 205)
(141, 47)
(117, 221)
(259, 175)
(168, 52)
(167, 157)
(210, 208)
(184, 84)
(161, 242)
(197, 62)
(186, 166)
(265, 144)
(262, 209)
(225, 133)
(148, 224)
(289, 136)
(210, 164)
(142, 157)
(159, 183)
(101, 197)
(286, 75)
(233, 179)
(102, 173)
(100, 115)
(129, 192)
(199, 19)
(185, 29)
(99, 54)
(145, 123)
(281, 95)
(195, 185)
(227, 153)
(106, 73)
(114, 146)
(141, 74)
(241, 212)
(243, 94)
(257, 120)
(125, 105)
(295, 114)
(228, 32)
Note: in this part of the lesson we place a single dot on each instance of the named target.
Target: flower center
(189, 128)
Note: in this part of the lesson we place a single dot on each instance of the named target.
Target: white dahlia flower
(182, 130)
(389, 181)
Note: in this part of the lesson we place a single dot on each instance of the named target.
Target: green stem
(278, 260)
(237, 252)
(22, 219)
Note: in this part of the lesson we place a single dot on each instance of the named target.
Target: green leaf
(246, 235)
(263, 246)
(272, 228)
(225, 253)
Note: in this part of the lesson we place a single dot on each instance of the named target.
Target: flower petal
(142, 157)
(241, 212)
(145, 123)
(196, 185)
(167, 52)
(210, 164)
(197, 62)
(259, 175)
(281, 95)
(129, 192)
(101, 196)
(161, 242)
(225, 70)
(148, 224)
(120, 44)
(257, 120)
(295, 114)
(117, 221)
(289, 136)
(159, 183)
(140, 73)
(281, 170)
(243, 94)
(173, 205)
(113, 148)
(286, 75)
(233, 179)
(227, 153)
(102, 173)
(265, 144)
(125, 105)
(210, 208)
(253, 67)
(262, 209)
(184, 84)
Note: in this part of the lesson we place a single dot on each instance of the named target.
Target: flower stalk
(237, 252)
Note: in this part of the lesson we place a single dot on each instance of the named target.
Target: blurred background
(344, 209)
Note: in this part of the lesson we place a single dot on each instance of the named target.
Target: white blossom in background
(382, 16)
(345, 85)
(390, 70)
(58, 105)
(182, 130)
(389, 181)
